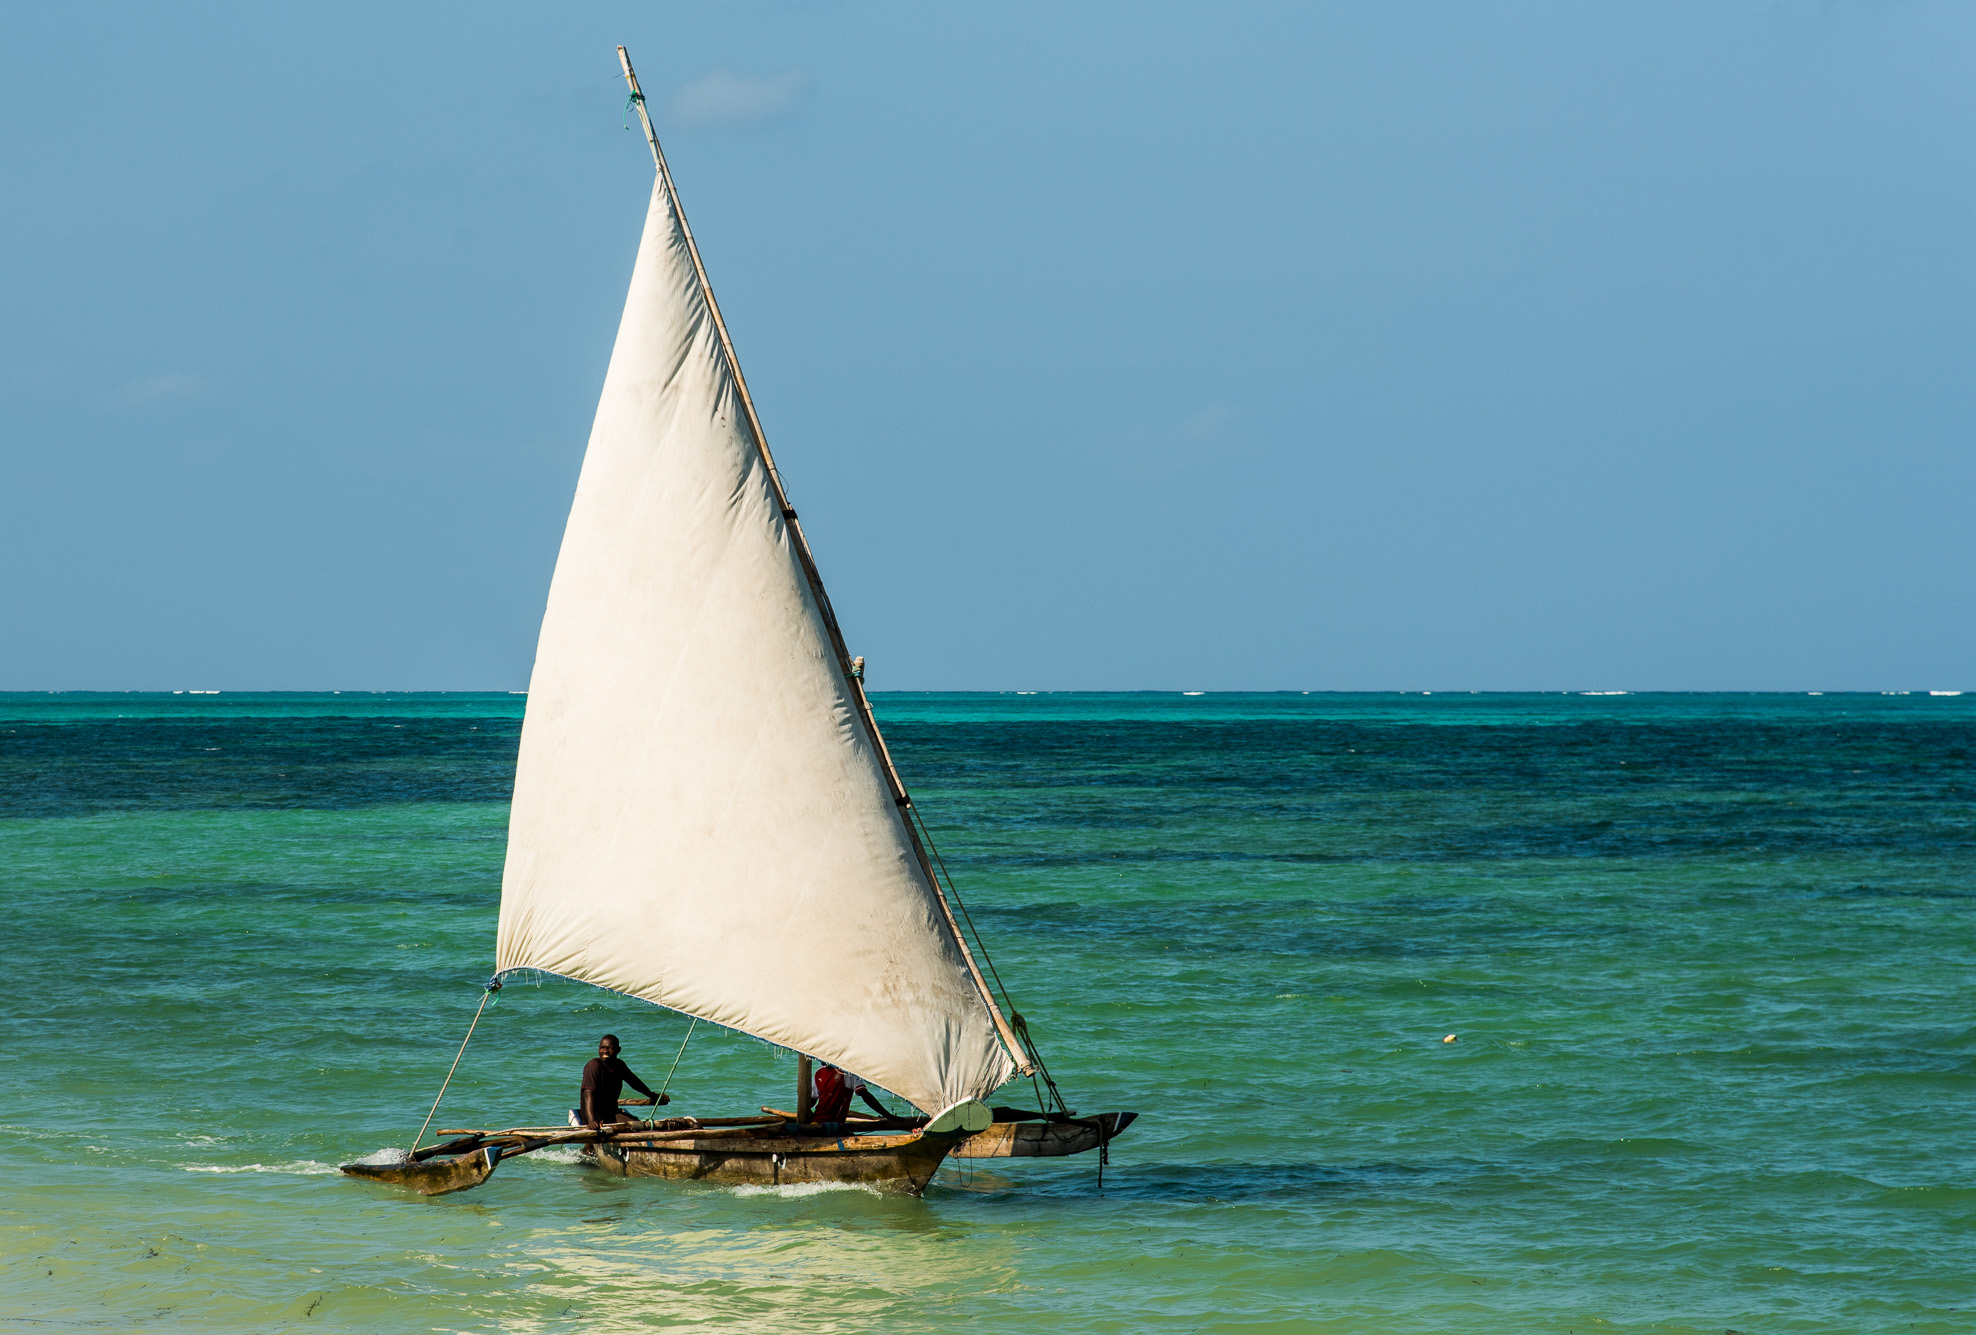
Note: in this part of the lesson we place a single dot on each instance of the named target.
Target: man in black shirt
(604, 1078)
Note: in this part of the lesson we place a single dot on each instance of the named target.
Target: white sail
(700, 818)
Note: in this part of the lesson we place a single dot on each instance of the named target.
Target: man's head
(607, 1046)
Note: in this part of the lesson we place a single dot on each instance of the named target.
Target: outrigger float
(705, 813)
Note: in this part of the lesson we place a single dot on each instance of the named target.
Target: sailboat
(705, 814)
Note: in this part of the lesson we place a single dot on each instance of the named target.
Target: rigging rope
(486, 997)
(1015, 1016)
(667, 1082)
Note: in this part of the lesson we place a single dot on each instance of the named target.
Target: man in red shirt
(833, 1089)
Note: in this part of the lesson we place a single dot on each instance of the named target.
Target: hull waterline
(899, 1163)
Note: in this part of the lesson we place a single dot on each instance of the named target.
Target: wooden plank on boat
(1044, 1140)
(897, 1163)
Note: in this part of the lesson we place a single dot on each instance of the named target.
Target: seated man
(833, 1088)
(604, 1078)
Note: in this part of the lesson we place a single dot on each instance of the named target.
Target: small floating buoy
(1449, 1039)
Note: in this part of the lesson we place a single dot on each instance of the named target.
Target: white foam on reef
(797, 1190)
(1945, 692)
(301, 1168)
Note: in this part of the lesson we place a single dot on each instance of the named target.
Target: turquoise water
(1707, 959)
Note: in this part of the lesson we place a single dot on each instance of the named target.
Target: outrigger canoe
(705, 814)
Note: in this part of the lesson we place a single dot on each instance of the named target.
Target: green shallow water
(1708, 959)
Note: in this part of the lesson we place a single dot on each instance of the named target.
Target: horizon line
(1937, 691)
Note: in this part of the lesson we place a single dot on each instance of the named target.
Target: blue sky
(1396, 346)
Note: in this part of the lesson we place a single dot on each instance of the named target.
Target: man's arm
(639, 1085)
(864, 1092)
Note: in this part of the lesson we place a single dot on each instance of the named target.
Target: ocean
(1705, 961)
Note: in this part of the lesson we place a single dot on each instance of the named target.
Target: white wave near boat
(299, 1168)
(797, 1190)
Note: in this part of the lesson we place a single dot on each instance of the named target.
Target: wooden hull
(432, 1177)
(901, 1163)
(1043, 1140)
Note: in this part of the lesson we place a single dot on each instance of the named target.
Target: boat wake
(300, 1168)
(797, 1190)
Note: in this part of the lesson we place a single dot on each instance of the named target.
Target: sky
(1403, 346)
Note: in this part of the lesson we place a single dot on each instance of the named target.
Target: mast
(853, 675)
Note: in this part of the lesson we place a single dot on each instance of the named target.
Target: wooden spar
(535, 1138)
(552, 1130)
(854, 681)
(456, 1166)
(855, 1119)
(471, 1139)
(634, 1135)
(802, 1089)
(860, 1120)
(664, 1124)
(637, 1138)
